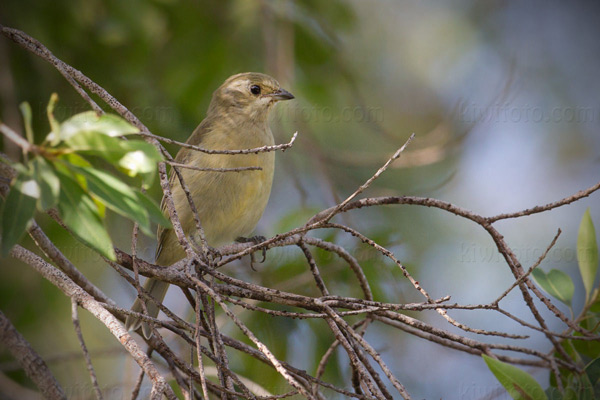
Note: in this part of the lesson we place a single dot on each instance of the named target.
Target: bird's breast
(229, 204)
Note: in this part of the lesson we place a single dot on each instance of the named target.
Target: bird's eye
(255, 89)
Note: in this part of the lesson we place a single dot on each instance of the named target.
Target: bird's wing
(181, 157)
(161, 232)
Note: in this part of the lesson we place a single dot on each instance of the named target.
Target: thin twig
(538, 209)
(138, 383)
(84, 350)
(529, 271)
(255, 150)
(346, 256)
(198, 347)
(370, 350)
(368, 183)
(192, 167)
(314, 269)
(61, 261)
(276, 363)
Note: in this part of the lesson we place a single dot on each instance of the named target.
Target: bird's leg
(255, 240)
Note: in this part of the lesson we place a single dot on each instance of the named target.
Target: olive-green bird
(229, 204)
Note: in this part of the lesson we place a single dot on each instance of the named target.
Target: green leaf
(595, 299)
(552, 393)
(556, 283)
(141, 159)
(586, 348)
(579, 387)
(587, 390)
(18, 209)
(48, 181)
(26, 111)
(106, 124)
(156, 215)
(518, 383)
(80, 215)
(97, 144)
(54, 125)
(117, 196)
(75, 159)
(570, 393)
(570, 350)
(137, 161)
(587, 252)
(134, 157)
(592, 370)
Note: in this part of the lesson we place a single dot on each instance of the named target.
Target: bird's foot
(254, 240)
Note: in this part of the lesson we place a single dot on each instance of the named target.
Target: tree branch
(33, 365)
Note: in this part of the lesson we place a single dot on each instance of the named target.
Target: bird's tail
(158, 290)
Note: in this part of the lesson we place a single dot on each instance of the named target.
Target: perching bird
(229, 204)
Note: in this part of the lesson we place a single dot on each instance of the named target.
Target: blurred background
(503, 100)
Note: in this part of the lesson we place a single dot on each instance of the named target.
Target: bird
(229, 204)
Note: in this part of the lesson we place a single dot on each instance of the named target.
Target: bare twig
(84, 350)
(352, 262)
(255, 150)
(65, 265)
(538, 209)
(198, 347)
(240, 169)
(276, 363)
(370, 350)
(529, 271)
(365, 185)
(138, 383)
(314, 269)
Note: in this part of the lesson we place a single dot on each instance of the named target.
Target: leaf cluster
(60, 174)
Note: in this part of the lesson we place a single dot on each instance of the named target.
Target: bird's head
(250, 93)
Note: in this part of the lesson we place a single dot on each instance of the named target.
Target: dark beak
(282, 94)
